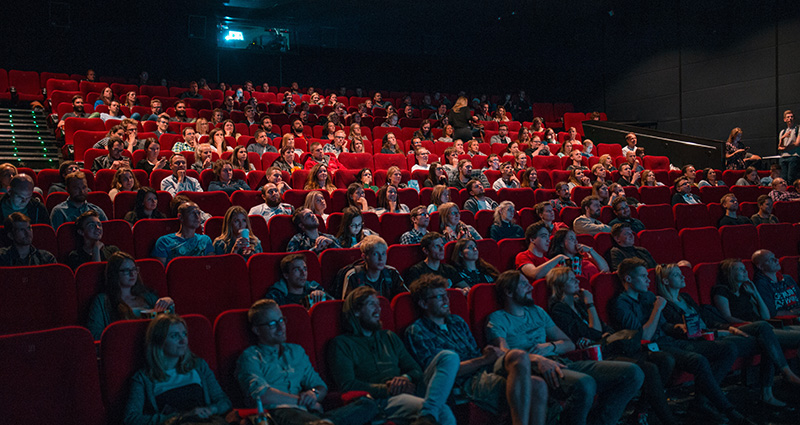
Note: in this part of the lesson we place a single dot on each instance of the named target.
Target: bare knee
(518, 361)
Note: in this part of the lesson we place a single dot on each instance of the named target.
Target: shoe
(737, 418)
(425, 420)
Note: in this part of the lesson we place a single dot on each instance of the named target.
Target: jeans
(432, 394)
(614, 383)
(693, 358)
(358, 412)
(790, 168)
(762, 340)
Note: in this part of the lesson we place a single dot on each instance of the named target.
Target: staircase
(25, 140)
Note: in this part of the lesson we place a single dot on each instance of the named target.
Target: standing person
(459, 118)
(789, 148)
(174, 384)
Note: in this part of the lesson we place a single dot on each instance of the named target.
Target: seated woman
(451, 225)
(390, 144)
(88, 232)
(355, 197)
(203, 157)
(391, 120)
(151, 161)
(512, 149)
(124, 296)
(287, 140)
(505, 225)
(472, 269)
(649, 179)
(437, 175)
(601, 191)
(582, 259)
(240, 161)
(286, 161)
(394, 177)
(447, 134)
(351, 230)
(520, 161)
(237, 234)
(356, 146)
(356, 135)
(566, 150)
(387, 201)
(328, 131)
(201, 127)
(550, 137)
(615, 190)
(750, 178)
(223, 179)
(607, 162)
(530, 178)
(216, 138)
(123, 181)
(364, 176)
(573, 311)
(711, 178)
(145, 206)
(440, 195)
(577, 178)
(421, 155)
(524, 136)
(174, 385)
(315, 201)
(229, 127)
(319, 179)
(106, 96)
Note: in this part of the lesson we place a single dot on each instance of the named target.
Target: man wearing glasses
(281, 377)
(420, 219)
(338, 146)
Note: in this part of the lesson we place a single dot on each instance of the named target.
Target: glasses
(130, 272)
(272, 324)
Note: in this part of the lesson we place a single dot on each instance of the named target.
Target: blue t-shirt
(522, 333)
(172, 245)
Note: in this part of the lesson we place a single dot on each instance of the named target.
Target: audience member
(158, 391)
(203, 157)
(76, 204)
(731, 206)
(710, 179)
(532, 262)
(623, 215)
(89, 247)
(504, 225)
(588, 223)
(582, 259)
(114, 160)
(124, 296)
(779, 291)
(387, 201)
(750, 178)
(145, 206)
(318, 157)
(774, 173)
(764, 214)
(189, 142)
(683, 192)
(308, 236)
(294, 286)
(544, 210)
(521, 324)
(419, 220)
(21, 252)
(123, 181)
(272, 203)
(179, 181)
(478, 200)
(779, 191)
(368, 358)
(373, 271)
(562, 197)
(151, 161)
(351, 230)
(186, 242)
(626, 175)
(19, 198)
(451, 226)
(788, 143)
(237, 235)
(489, 376)
(223, 179)
(530, 178)
(181, 115)
(432, 245)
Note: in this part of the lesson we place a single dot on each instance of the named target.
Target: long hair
(383, 198)
(557, 243)
(526, 179)
(138, 206)
(228, 235)
(725, 275)
(661, 273)
(556, 280)
(116, 183)
(349, 214)
(457, 260)
(351, 190)
(500, 213)
(432, 172)
(310, 202)
(436, 194)
(117, 309)
(157, 333)
(386, 145)
(312, 183)
(734, 132)
(244, 165)
(444, 214)
(461, 102)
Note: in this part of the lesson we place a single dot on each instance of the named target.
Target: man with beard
(189, 141)
(623, 212)
(490, 376)
(22, 252)
(589, 222)
(76, 204)
(180, 113)
(272, 203)
(478, 200)
(114, 160)
(77, 110)
(266, 125)
(308, 235)
(523, 325)
(370, 358)
(192, 93)
(297, 130)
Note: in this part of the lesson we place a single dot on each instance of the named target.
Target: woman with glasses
(124, 296)
(451, 225)
(437, 175)
(365, 178)
(89, 247)
(352, 230)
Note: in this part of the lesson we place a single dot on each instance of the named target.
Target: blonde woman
(123, 181)
(237, 234)
(459, 117)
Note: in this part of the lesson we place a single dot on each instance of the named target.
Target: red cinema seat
(652, 162)
(4, 94)
(664, 244)
(701, 245)
(779, 238)
(542, 195)
(402, 257)
(331, 260)
(655, 195)
(522, 197)
(604, 287)
(580, 192)
(405, 312)
(264, 269)
(115, 232)
(384, 160)
(37, 297)
(482, 301)
(214, 203)
(746, 193)
(87, 87)
(550, 162)
(789, 266)
(658, 216)
(692, 215)
(507, 250)
(356, 161)
(27, 84)
(122, 354)
(344, 177)
(786, 211)
(569, 214)
(147, 231)
(281, 231)
(393, 225)
(705, 276)
(58, 366)
(246, 199)
(232, 336)
(612, 149)
(709, 194)
(738, 241)
(208, 285)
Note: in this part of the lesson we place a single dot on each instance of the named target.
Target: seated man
(537, 148)
(478, 199)
(274, 175)
(262, 144)
(623, 236)
(731, 206)
(639, 309)
(297, 130)
(563, 199)
(21, 252)
(501, 136)
(192, 93)
(420, 219)
(266, 125)
(532, 262)
(317, 157)
(114, 112)
(779, 292)
(374, 272)
(76, 204)
(162, 125)
(272, 203)
(627, 177)
(19, 198)
(189, 141)
(368, 358)
(114, 160)
(683, 192)
(280, 376)
(463, 175)
(77, 111)
(779, 191)
(186, 242)
(491, 377)
(764, 214)
(507, 177)
(180, 113)
(179, 181)
(156, 110)
(294, 287)
(308, 235)
(523, 325)
(339, 144)
(433, 246)
(589, 223)
(623, 212)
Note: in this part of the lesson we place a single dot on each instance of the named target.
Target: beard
(372, 326)
(523, 301)
(180, 113)
(78, 109)
(273, 204)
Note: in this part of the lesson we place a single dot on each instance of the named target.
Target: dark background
(698, 67)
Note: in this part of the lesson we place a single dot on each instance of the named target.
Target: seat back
(664, 244)
(779, 238)
(333, 259)
(37, 297)
(402, 257)
(208, 285)
(406, 312)
(51, 376)
(147, 231)
(738, 241)
(692, 215)
(482, 301)
(655, 194)
(701, 245)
